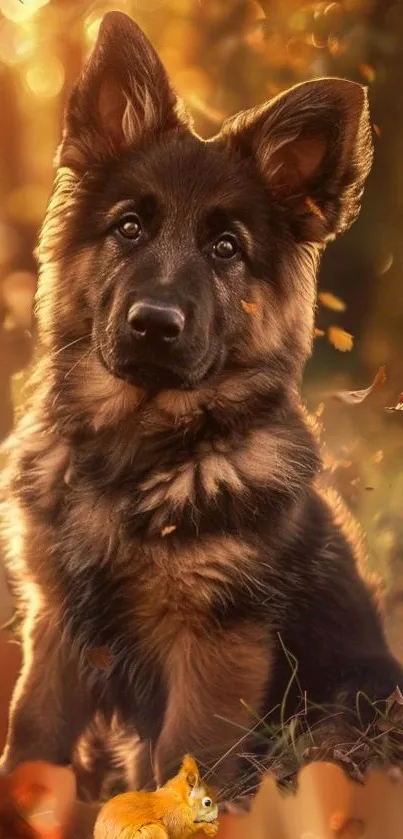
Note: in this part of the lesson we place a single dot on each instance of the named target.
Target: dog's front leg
(216, 685)
(50, 708)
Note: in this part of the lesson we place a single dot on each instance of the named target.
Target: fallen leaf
(310, 203)
(331, 301)
(340, 339)
(355, 397)
(168, 529)
(249, 307)
(100, 657)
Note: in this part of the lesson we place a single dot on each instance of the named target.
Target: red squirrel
(178, 810)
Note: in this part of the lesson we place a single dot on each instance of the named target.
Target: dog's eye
(207, 802)
(130, 227)
(226, 247)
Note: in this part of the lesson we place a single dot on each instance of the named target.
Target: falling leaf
(319, 410)
(331, 301)
(340, 339)
(398, 406)
(346, 828)
(168, 529)
(249, 307)
(377, 130)
(314, 208)
(100, 657)
(319, 333)
(367, 72)
(355, 397)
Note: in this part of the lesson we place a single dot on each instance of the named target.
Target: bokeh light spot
(16, 43)
(45, 77)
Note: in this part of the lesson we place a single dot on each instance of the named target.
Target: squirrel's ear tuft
(191, 771)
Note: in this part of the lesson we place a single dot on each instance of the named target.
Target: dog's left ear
(122, 99)
(313, 146)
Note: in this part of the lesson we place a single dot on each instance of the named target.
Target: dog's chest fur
(137, 553)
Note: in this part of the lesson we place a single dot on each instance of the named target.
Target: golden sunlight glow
(18, 12)
(91, 28)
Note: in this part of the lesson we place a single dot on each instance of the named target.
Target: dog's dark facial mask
(181, 258)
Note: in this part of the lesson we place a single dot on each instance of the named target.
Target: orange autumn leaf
(168, 529)
(318, 333)
(331, 301)
(249, 307)
(355, 397)
(367, 72)
(340, 339)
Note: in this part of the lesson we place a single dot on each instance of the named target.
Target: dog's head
(177, 258)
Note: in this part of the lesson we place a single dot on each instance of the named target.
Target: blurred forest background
(225, 55)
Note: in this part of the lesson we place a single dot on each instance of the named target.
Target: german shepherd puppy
(163, 498)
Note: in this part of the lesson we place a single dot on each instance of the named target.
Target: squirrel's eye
(226, 247)
(207, 802)
(130, 227)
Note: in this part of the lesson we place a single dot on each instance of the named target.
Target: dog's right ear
(122, 98)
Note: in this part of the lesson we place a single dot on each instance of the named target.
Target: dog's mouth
(154, 377)
(151, 377)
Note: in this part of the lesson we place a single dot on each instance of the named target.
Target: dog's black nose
(154, 320)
